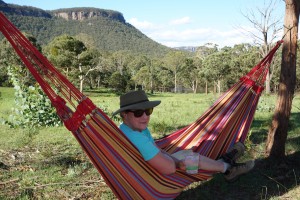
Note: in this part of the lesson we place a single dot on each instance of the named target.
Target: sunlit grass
(6, 102)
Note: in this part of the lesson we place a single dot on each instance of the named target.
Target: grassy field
(48, 163)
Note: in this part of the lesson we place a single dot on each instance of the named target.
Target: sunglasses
(139, 113)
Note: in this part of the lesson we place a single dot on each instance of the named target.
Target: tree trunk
(98, 81)
(175, 82)
(219, 87)
(268, 85)
(81, 83)
(81, 79)
(275, 144)
(92, 83)
(195, 87)
(215, 87)
(151, 83)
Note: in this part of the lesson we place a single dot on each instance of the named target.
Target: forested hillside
(106, 29)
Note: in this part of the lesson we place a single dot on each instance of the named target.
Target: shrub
(33, 108)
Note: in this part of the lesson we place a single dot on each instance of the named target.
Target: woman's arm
(178, 163)
(165, 163)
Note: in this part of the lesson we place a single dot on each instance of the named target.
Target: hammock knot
(84, 108)
(62, 110)
(73, 123)
(252, 84)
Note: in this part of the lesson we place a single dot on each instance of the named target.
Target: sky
(176, 23)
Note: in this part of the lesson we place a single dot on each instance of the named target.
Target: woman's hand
(180, 164)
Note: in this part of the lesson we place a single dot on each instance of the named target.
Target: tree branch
(10, 181)
(66, 183)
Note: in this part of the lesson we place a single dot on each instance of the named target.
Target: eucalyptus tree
(275, 144)
(119, 82)
(164, 78)
(243, 58)
(154, 66)
(268, 27)
(190, 73)
(205, 50)
(89, 63)
(216, 68)
(120, 60)
(142, 77)
(134, 66)
(175, 61)
(147, 72)
(64, 52)
(201, 53)
(106, 69)
(9, 58)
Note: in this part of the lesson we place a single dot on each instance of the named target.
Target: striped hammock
(127, 174)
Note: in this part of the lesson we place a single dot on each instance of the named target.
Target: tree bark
(275, 144)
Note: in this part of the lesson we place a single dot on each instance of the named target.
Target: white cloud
(184, 20)
(198, 37)
(175, 36)
(141, 25)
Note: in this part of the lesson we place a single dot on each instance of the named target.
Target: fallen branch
(274, 180)
(10, 181)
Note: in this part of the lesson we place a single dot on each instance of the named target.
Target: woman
(135, 110)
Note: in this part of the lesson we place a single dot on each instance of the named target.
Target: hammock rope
(227, 121)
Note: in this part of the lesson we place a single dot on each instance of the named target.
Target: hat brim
(138, 106)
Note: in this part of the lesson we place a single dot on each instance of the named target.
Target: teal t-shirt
(143, 141)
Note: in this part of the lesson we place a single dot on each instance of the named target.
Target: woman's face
(136, 123)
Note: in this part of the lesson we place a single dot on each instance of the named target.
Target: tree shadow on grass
(258, 132)
(267, 180)
(259, 128)
(67, 161)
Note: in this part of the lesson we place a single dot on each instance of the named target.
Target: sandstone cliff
(87, 13)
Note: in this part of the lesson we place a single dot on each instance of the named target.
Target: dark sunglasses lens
(149, 111)
(139, 113)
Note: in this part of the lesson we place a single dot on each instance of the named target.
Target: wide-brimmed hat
(135, 100)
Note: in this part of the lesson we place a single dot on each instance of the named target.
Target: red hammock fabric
(227, 121)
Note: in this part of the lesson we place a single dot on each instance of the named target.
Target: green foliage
(107, 195)
(248, 143)
(118, 82)
(162, 128)
(33, 108)
(265, 106)
(63, 51)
